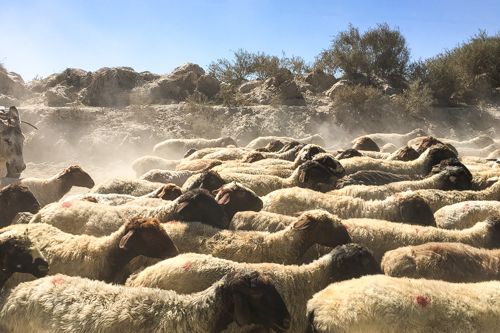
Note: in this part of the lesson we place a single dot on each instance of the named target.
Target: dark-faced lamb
(18, 254)
(452, 262)
(53, 189)
(16, 198)
(190, 272)
(83, 217)
(404, 207)
(235, 197)
(83, 305)
(99, 258)
(381, 304)
(209, 180)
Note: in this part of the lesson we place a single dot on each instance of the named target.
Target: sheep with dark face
(247, 297)
(99, 258)
(210, 181)
(83, 217)
(190, 272)
(16, 198)
(18, 254)
(234, 197)
(365, 143)
(53, 189)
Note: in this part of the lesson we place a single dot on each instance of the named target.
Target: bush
(381, 51)
(468, 72)
(417, 99)
(249, 66)
(359, 106)
(229, 97)
(141, 108)
(202, 118)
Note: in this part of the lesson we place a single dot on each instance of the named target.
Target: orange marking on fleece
(422, 301)
(66, 204)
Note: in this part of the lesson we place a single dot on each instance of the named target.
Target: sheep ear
(125, 239)
(302, 176)
(241, 310)
(225, 199)
(298, 213)
(215, 192)
(180, 207)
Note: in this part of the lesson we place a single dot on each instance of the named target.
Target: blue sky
(39, 38)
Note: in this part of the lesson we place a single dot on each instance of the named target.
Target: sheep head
(330, 163)
(405, 153)
(414, 209)
(77, 177)
(365, 143)
(348, 153)
(255, 300)
(352, 261)
(199, 205)
(209, 180)
(234, 197)
(169, 192)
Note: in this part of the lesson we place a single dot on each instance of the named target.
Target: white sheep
(197, 165)
(123, 185)
(16, 198)
(175, 148)
(438, 198)
(145, 163)
(383, 304)
(166, 176)
(67, 304)
(83, 217)
(99, 258)
(190, 272)
(401, 207)
(465, 214)
(54, 188)
(452, 262)
(451, 178)
(262, 141)
(381, 236)
(260, 221)
(396, 139)
(309, 174)
(420, 166)
(19, 255)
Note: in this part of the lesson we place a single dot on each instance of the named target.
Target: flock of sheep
(394, 234)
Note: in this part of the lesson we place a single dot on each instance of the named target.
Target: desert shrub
(468, 72)
(380, 51)
(202, 118)
(249, 66)
(229, 96)
(417, 99)
(72, 115)
(358, 106)
(141, 108)
(2, 68)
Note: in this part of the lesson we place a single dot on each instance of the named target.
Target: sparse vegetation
(230, 97)
(417, 99)
(140, 105)
(72, 115)
(203, 119)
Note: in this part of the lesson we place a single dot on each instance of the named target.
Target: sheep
(465, 214)
(197, 165)
(123, 185)
(175, 148)
(209, 180)
(438, 198)
(478, 142)
(83, 217)
(11, 142)
(421, 166)
(164, 192)
(452, 262)
(16, 198)
(190, 272)
(67, 304)
(365, 143)
(18, 254)
(273, 146)
(483, 152)
(371, 177)
(99, 258)
(166, 176)
(234, 197)
(388, 148)
(146, 163)
(382, 236)
(451, 178)
(397, 139)
(264, 140)
(484, 179)
(53, 189)
(311, 174)
(384, 304)
(260, 221)
(405, 207)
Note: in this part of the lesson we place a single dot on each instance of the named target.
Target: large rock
(12, 84)
(336, 87)
(58, 96)
(249, 86)
(70, 77)
(320, 80)
(186, 68)
(207, 84)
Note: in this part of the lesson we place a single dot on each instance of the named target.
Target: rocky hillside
(117, 114)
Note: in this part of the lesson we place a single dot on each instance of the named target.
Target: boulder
(320, 80)
(207, 84)
(186, 68)
(249, 86)
(12, 84)
(58, 96)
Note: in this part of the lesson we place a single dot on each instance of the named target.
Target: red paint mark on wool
(422, 301)
(417, 229)
(186, 267)
(435, 249)
(172, 222)
(66, 204)
(466, 206)
(346, 226)
(56, 280)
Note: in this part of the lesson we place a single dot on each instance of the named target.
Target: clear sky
(39, 38)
